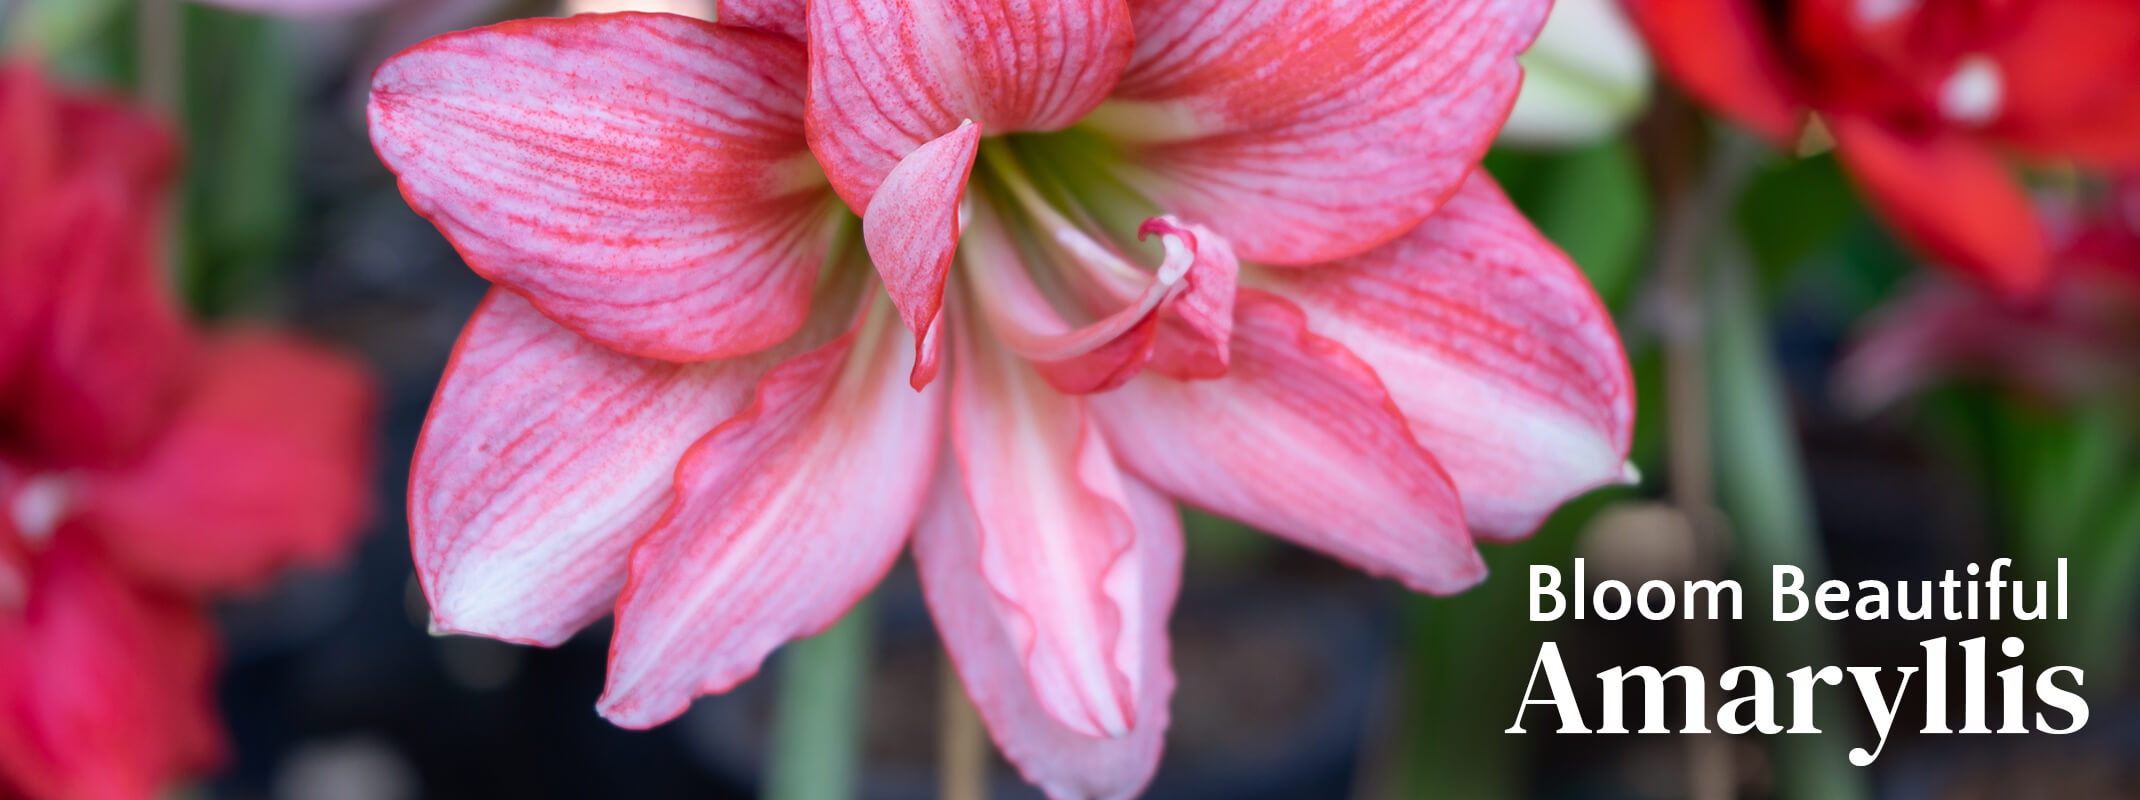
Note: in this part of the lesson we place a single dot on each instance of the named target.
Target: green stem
(1467, 659)
(1761, 487)
(2103, 563)
(48, 29)
(817, 739)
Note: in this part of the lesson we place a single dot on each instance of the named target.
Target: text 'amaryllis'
(1227, 252)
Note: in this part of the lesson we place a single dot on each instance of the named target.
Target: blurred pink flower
(144, 466)
(688, 400)
(2080, 338)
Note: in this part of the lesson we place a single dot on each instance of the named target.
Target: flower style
(688, 401)
(1921, 99)
(2080, 338)
(144, 466)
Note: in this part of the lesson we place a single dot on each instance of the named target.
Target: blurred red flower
(1922, 98)
(2079, 338)
(144, 465)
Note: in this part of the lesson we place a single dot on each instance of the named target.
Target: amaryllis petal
(913, 230)
(2069, 78)
(91, 343)
(1494, 347)
(887, 76)
(785, 515)
(266, 462)
(1952, 197)
(106, 688)
(82, 184)
(1930, 331)
(97, 373)
(1065, 763)
(1195, 332)
(1299, 439)
(642, 178)
(1055, 535)
(1306, 132)
(788, 18)
(1725, 54)
(544, 458)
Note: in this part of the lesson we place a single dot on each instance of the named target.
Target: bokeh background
(1750, 293)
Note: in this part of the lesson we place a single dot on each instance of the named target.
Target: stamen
(39, 506)
(1019, 311)
(1973, 94)
(1101, 261)
(1178, 242)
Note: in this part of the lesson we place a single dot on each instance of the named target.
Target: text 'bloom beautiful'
(1227, 252)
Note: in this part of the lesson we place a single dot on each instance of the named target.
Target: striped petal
(887, 76)
(1299, 439)
(913, 231)
(1306, 132)
(785, 17)
(1055, 536)
(1194, 335)
(1067, 764)
(785, 515)
(1495, 349)
(641, 178)
(544, 457)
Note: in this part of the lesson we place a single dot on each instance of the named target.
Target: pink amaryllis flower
(145, 466)
(1924, 98)
(1227, 252)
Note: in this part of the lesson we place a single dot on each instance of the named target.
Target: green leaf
(1793, 209)
(1761, 487)
(55, 27)
(1467, 659)
(241, 112)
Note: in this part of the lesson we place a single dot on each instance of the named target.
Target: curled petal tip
(1164, 226)
(1630, 475)
(1180, 245)
(926, 351)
